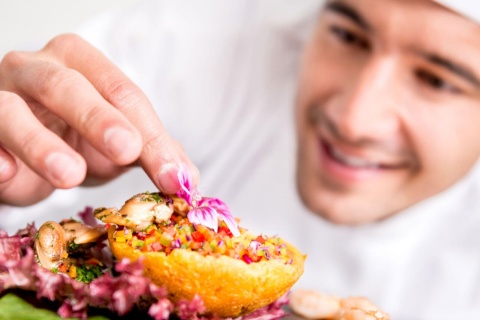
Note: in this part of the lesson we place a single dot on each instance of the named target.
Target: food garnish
(204, 211)
(193, 245)
(121, 288)
(67, 248)
(233, 275)
(311, 304)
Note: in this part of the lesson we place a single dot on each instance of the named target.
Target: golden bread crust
(227, 286)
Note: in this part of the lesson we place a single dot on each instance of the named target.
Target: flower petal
(213, 202)
(184, 180)
(183, 176)
(206, 216)
(206, 211)
(230, 222)
(223, 213)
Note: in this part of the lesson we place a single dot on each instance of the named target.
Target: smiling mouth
(351, 161)
(355, 162)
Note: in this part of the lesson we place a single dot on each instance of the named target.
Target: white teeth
(353, 161)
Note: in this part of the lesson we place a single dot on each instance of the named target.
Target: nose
(366, 105)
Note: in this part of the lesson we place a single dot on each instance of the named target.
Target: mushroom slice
(80, 233)
(138, 212)
(50, 245)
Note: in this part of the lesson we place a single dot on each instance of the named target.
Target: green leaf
(13, 307)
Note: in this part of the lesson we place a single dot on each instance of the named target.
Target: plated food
(180, 254)
(312, 304)
(65, 247)
(233, 275)
(192, 245)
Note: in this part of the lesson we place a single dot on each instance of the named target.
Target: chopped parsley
(88, 272)
(73, 246)
(55, 270)
(150, 197)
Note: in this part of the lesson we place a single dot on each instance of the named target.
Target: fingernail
(61, 167)
(168, 179)
(4, 165)
(121, 144)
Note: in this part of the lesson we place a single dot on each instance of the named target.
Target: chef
(349, 128)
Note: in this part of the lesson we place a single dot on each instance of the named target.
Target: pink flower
(205, 211)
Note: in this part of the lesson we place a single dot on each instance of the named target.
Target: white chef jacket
(222, 78)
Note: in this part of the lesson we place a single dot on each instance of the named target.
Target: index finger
(160, 157)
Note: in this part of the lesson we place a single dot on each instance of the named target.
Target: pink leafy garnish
(205, 211)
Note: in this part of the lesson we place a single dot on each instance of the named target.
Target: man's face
(388, 107)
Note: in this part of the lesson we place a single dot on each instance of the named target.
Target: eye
(348, 37)
(435, 82)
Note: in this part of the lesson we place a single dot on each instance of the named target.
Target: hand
(70, 117)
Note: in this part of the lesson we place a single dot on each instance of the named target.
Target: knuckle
(91, 118)
(54, 80)
(67, 41)
(13, 60)
(158, 142)
(8, 99)
(123, 94)
(161, 148)
(28, 146)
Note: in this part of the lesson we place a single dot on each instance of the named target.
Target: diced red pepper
(197, 236)
(260, 239)
(225, 230)
(62, 268)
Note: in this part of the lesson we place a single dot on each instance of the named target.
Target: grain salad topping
(179, 233)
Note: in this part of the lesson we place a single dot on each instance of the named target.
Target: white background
(29, 24)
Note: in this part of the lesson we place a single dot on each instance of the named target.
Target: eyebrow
(348, 12)
(453, 67)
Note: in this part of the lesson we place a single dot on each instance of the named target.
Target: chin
(343, 209)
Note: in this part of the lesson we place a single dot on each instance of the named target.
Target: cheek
(317, 82)
(447, 144)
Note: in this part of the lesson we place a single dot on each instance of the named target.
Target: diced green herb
(73, 246)
(88, 272)
(150, 197)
